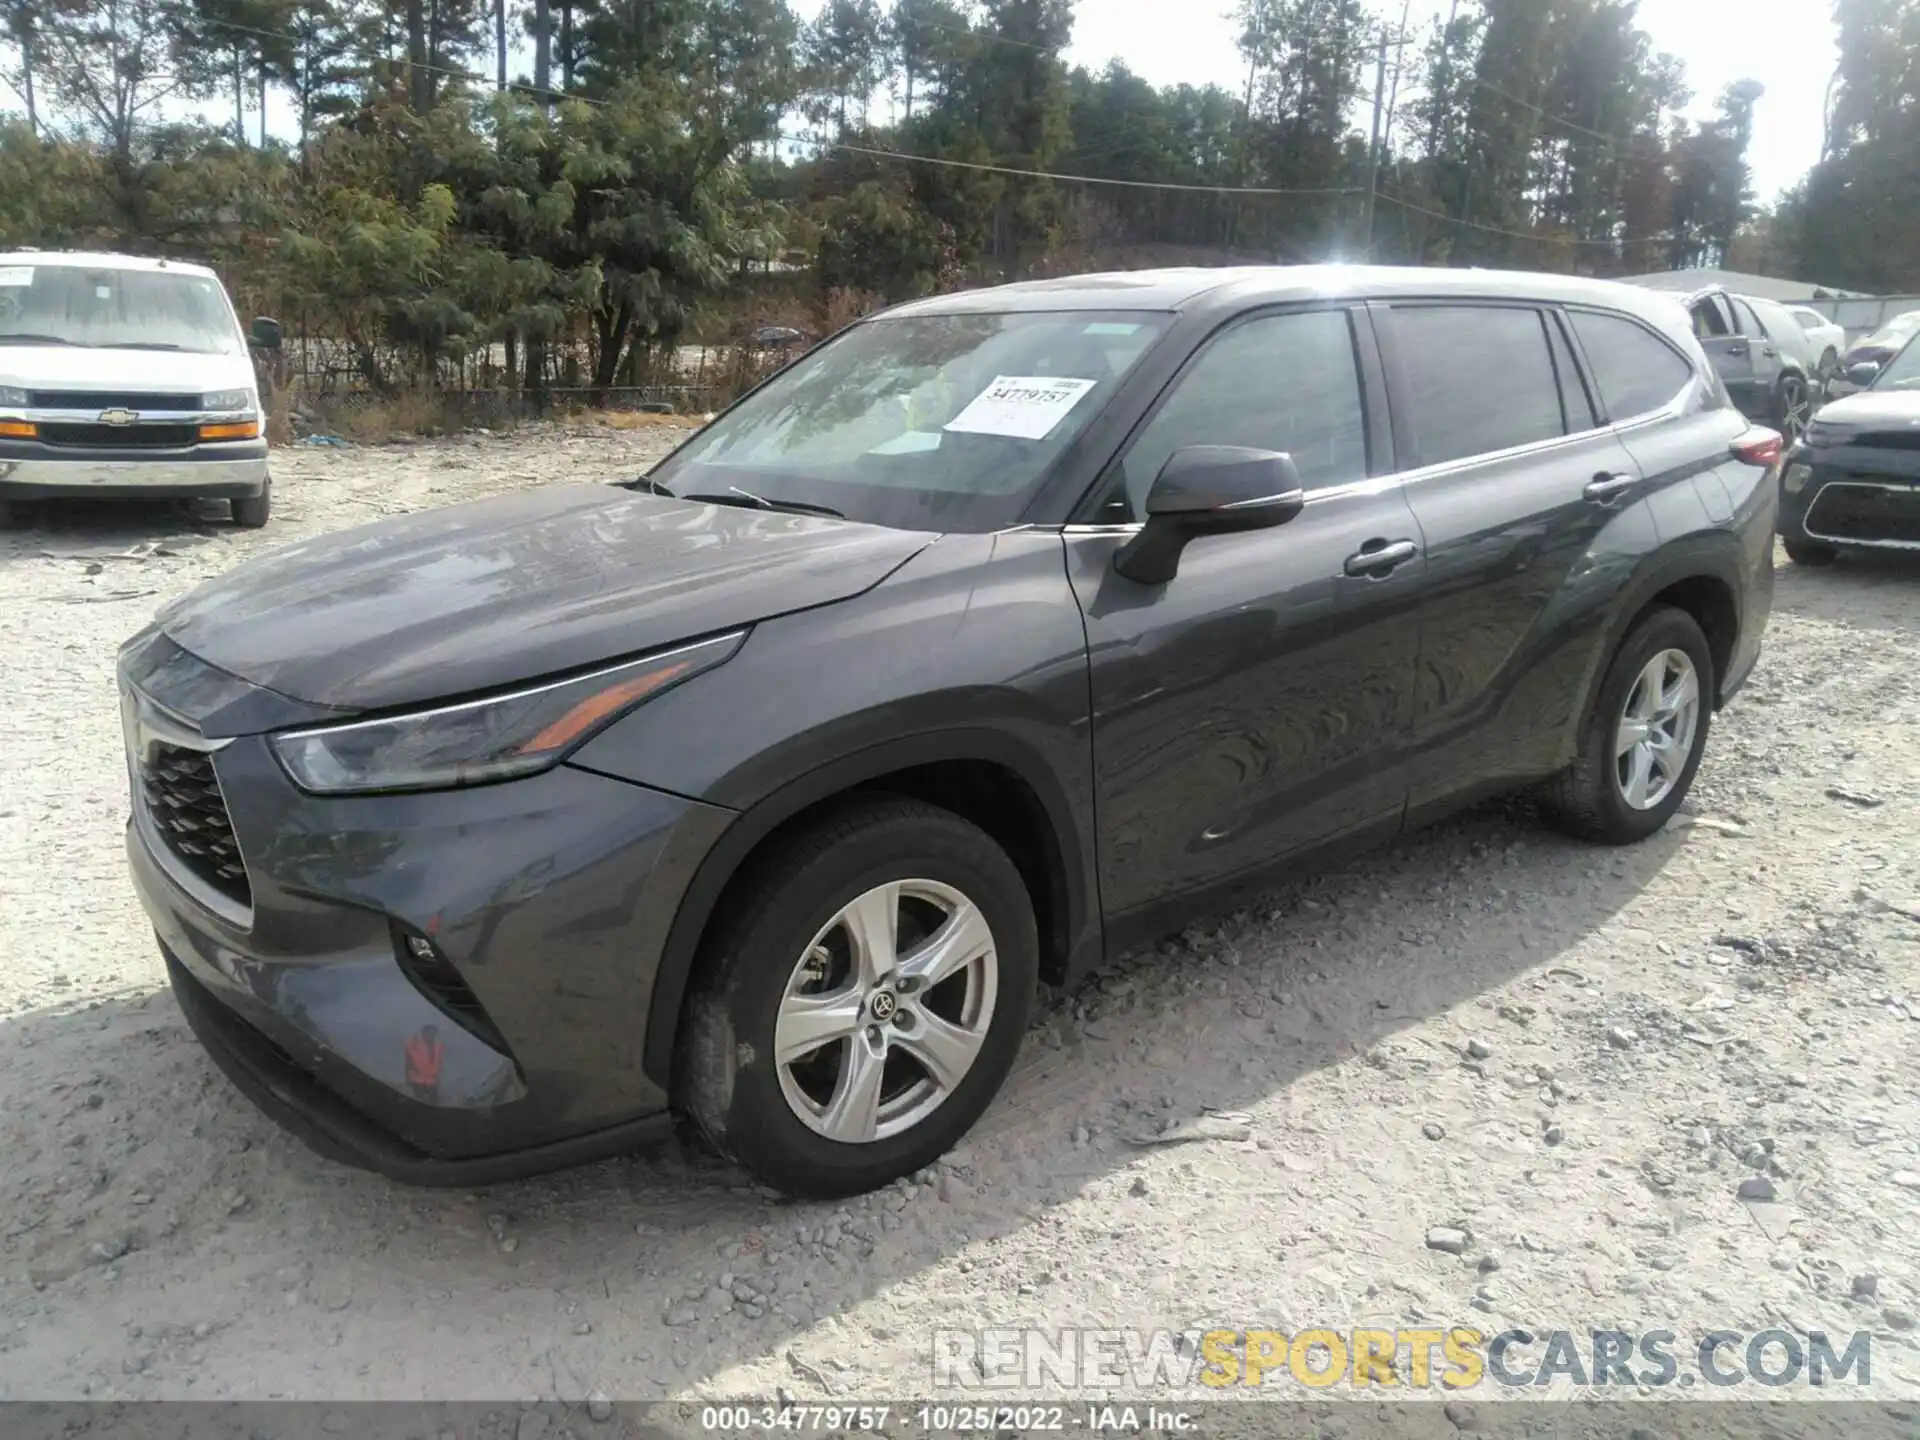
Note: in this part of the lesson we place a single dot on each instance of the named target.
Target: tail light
(1760, 447)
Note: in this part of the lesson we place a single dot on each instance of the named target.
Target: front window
(101, 308)
(1903, 371)
(932, 422)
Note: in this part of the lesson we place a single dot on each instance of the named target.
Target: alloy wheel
(1796, 408)
(886, 1011)
(1656, 731)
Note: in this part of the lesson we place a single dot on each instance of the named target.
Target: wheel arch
(987, 777)
(1701, 576)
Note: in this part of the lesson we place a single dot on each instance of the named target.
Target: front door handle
(1606, 489)
(1380, 558)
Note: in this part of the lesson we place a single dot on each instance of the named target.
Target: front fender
(974, 651)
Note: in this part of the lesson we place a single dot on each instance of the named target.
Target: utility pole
(1373, 148)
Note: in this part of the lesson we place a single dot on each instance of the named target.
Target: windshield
(1896, 331)
(935, 422)
(1903, 370)
(106, 309)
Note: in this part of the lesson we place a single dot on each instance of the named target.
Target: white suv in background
(122, 376)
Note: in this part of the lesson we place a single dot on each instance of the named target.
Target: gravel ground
(1576, 1058)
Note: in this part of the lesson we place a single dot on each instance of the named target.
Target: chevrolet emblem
(118, 417)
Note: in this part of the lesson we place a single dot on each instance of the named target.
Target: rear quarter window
(1636, 372)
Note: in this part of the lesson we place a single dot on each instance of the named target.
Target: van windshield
(106, 309)
(932, 422)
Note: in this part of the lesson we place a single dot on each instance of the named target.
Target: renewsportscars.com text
(1453, 1359)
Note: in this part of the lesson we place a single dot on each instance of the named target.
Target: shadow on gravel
(133, 1167)
(1871, 591)
(65, 526)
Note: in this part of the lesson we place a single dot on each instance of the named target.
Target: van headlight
(225, 400)
(502, 737)
(12, 397)
(1796, 478)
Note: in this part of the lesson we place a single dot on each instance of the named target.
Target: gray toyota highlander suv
(996, 635)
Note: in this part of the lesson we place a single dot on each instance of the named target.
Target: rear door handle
(1379, 558)
(1605, 489)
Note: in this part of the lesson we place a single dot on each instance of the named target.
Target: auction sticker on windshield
(16, 275)
(1021, 407)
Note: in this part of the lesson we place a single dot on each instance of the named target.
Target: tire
(251, 512)
(1792, 407)
(1805, 552)
(1588, 798)
(7, 514)
(783, 914)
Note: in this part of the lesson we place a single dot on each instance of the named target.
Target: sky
(1790, 46)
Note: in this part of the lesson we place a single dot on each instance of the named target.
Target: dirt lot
(1575, 1057)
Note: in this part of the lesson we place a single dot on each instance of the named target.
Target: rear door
(1771, 353)
(1514, 479)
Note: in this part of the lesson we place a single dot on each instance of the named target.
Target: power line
(1056, 175)
(1393, 199)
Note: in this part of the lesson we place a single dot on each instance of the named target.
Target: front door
(1257, 704)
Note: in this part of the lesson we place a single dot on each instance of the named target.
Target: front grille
(185, 804)
(1866, 515)
(1888, 440)
(139, 403)
(77, 435)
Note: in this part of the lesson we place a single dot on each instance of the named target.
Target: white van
(122, 376)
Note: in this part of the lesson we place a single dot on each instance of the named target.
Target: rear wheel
(864, 997)
(1805, 552)
(1793, 407)
(251, 512)
(1644, 736)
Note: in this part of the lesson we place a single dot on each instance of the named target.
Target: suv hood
(474, 597)
(1869, 410)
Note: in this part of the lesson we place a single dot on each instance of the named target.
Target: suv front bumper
(546, 902)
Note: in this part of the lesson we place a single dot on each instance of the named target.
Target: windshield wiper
(146, 345)
(747, 497)
(20, 337)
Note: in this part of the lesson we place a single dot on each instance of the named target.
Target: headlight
(227, 400)
(499, 738)
(12, 397)
(1797, 477)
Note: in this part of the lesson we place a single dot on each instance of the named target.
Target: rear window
(1637, 372)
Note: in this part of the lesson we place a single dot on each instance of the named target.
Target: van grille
(137, 401)
(76, 435)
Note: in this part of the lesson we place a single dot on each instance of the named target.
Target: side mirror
(1209, 490)
(1863, 374)
(264, 334)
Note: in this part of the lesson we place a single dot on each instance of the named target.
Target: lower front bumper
(46, 477)
(266, 1075)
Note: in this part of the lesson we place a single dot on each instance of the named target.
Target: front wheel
(251, 512)
(863, 999)
(1644, 736)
